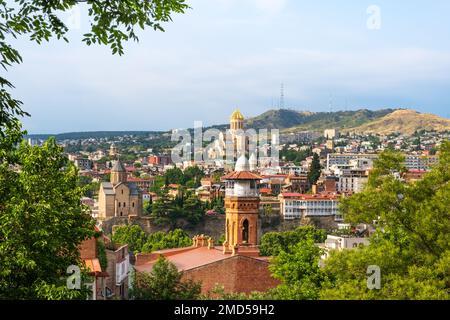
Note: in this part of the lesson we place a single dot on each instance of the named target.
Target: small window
(133, 204)
(122, 191)
(119, 204)
(124, 205)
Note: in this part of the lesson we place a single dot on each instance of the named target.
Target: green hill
(292, 120)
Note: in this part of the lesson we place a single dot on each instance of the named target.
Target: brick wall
(236, 274)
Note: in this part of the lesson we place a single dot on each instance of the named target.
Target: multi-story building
(83, 163)
(352, 181)
(331, 133)
(364, 161)
(420, 162)
(298, 206)
(343, 160)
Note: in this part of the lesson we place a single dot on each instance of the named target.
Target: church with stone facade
(119, 198)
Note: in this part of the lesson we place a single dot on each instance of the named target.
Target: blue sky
(224, 54)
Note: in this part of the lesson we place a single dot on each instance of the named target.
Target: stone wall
(214, 226)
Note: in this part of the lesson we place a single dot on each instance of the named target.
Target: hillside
(291, 120)
(404, 121)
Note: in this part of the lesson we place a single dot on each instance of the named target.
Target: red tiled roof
(309, 196)
(190, 259)
(241, 175)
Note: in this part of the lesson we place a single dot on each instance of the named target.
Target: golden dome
(237, 115)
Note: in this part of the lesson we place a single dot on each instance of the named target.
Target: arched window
(245, 231)
(119, 204)
(133, 204)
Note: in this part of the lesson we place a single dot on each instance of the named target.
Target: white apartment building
(352, 181)
(297, 206)
(364, 161)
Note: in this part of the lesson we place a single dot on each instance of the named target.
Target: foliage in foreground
(42, 222)
(411, 245)
(138, 241)
(164, 282)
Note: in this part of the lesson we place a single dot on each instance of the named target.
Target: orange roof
(189, 259)
(93, 265)
(241, 175)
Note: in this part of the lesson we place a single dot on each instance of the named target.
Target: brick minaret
(242, 207)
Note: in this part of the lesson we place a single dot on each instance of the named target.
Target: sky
(227, 54)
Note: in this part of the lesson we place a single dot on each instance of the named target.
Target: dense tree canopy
(138, 241)
(164, 282)
(411, 245)
(42, 222)
(272, 243)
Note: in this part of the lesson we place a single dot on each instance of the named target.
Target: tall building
(113, 151)
(238, 138)
(119, 198)
(242, 207)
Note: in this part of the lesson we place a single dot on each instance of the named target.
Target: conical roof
(118, 167)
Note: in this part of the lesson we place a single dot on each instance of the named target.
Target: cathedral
(119, 198)
(235, 143)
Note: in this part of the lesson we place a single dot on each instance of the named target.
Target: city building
(299, 206)
(331, 134)
(352, 181)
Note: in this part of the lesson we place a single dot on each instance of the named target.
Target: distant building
(298, 206)
(160, 160)
(352, 181)
(342, 243)
(83, 163)
(343, 160)
(119, 198)
(331, 134)
(113, 151)
(420, 162)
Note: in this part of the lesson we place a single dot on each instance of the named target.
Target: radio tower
(282, 96)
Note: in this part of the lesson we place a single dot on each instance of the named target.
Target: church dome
(237, 115)
(242, 164)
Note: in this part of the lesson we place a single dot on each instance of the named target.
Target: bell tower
(242, 208)
(118, 173)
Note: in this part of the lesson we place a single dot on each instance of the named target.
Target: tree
(315, 170)
(412, 242)
(133, 235)
(164, 282)
(193, 209)
(42, 223)
(272, 243)
(299, 272)
(162, 240)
